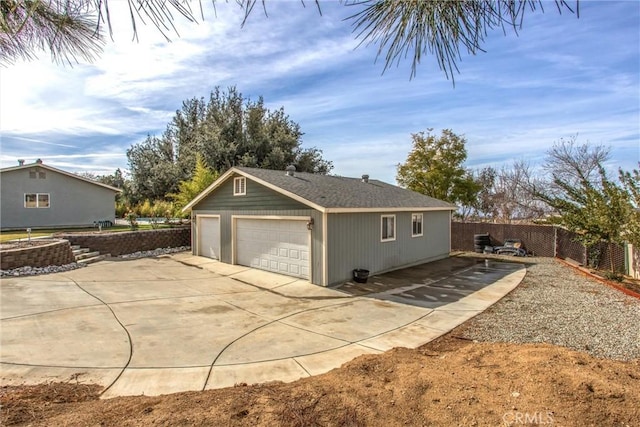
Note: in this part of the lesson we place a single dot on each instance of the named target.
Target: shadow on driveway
(433, 284)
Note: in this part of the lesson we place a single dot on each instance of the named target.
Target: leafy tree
(227, 130)
(631, 183)
(72, 28)
(117, 179)
(153, 170)
(589, 203)
(189, 189)
(435, 167)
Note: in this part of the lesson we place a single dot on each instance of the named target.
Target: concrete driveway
(175, 323)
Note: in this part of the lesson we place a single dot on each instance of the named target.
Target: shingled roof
(330, 193)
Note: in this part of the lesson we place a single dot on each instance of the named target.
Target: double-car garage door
(278, 245)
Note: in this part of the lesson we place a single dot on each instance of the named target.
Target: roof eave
(267, 184)
(390, 209)
(215, 184)
(60, 171)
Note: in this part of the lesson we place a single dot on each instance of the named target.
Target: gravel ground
(555, 304)
(35, 271)
(155, 252)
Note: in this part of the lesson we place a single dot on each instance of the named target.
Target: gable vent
(290, 170)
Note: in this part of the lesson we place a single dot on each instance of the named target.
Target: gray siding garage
(354, 245)
(317, 227)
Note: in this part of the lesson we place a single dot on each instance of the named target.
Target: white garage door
(209, 237)
(281, 246)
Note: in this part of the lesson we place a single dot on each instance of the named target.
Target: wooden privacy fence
(539, 240)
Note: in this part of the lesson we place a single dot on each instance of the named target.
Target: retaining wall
(127, 242)
(55, 253)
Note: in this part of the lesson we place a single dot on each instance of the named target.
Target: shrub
(131, 218)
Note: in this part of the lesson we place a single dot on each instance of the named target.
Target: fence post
(555, 241)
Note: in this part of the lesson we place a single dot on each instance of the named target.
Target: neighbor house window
(388, 228)
(239, 186)
(416, 225)
(35, 200)
(42, 175)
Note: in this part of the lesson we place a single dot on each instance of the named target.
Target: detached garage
(317, 227)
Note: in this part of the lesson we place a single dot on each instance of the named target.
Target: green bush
(617, 277)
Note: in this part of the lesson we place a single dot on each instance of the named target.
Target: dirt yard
(450, 381)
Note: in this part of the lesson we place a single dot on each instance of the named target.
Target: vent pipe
(20, 162)
(290, 170)
(39, 161)
(365, 179)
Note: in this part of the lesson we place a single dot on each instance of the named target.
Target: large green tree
(227, 130)
(435, 167)
(631, 183)
(153, 169)
(400, 28)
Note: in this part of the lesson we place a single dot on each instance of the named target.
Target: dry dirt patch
(449, 381)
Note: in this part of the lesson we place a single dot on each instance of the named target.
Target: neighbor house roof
(329, 193)
(69, 174)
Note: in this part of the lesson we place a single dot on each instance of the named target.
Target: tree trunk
(611, 257)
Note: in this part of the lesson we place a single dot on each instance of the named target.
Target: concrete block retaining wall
(55, 253)
(127, 242)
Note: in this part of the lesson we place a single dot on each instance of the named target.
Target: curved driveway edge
(180, 322)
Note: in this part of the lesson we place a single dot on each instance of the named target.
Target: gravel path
(555, 304)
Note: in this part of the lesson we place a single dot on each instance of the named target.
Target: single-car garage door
(209, 236)
(277, 245)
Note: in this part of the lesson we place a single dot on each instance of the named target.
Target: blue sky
(561, 77)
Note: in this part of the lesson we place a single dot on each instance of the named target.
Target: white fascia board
(284, 192)
(399, 209)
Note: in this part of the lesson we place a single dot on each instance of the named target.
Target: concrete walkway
(176, 323)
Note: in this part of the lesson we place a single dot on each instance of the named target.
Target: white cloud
(560, 77)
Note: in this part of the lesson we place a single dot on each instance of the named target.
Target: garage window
(239, 186)
(388, 228)
(36, 200)
(416, 225)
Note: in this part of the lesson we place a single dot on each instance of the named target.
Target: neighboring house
(37, 196)
(317, 227)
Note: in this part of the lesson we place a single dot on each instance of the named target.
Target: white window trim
(37, 206)
(421, 216)
(388, 239)
(241, 182)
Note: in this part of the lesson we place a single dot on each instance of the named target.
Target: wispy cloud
(560, 77)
